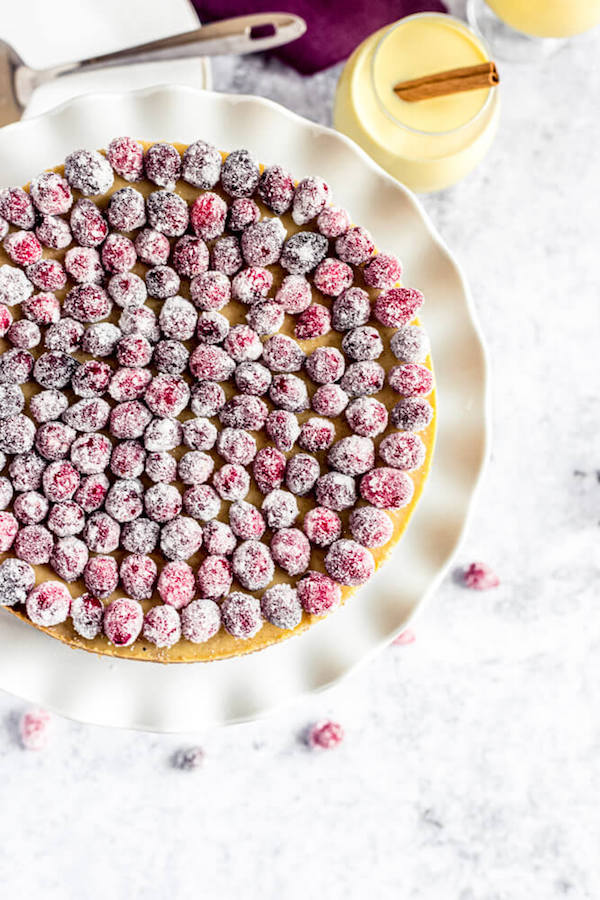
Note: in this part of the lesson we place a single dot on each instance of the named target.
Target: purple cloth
(335, 27)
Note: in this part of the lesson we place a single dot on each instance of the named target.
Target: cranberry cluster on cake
(183, 333)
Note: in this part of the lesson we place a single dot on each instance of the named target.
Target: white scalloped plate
(186, 697)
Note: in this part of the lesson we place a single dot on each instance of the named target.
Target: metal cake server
(235, 37)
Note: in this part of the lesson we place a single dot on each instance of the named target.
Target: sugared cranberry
(289, 392)
(329, 400)
(363, 378)
(236, 446)
(276, 189)
(118, 253)
(162, 502)
(6, 316)
(53, 440)
(318, 593)
(231, 482)
(310, 197)
(52, 370)
(152, 247)
(386, 488)
(383, 271)
(480, 577)
(162, 434)
(138, 576)
(294, 294)
(17, 434)
(281, 607)
(90, 453)
(101, 576)
(212, 363)
(251, 285)
(65, 335)
(403, 451)
(190, 256)
(51, 193)
(69, 557)
(355, 246)
(60, 481)
(353, 455)
(201, 165)
(162, 282)
(244, 411)
(126, 209)
(181, 538)
(314, 322)
(129, 420)
(362, 343)
(371, 527)
(303, 251)
(242, 343)
(86, 615)
(140, 320)
(322, 526)
(195, 467)
(283, 429)
(301, 473)
(12, 400)
(176, 584)
(162, 626)
(129, 383)
(247, 522)
(325, 365)
(332, 277)
(16, 207)
(167, 213)
(124, 500)
(162, 164)
(88, 225)
(140, 536)
(167, 395)
(171, 357)
(214, 577)
(43, 309)
(242, 213)
(202, 502)
(53, 232)
(316, 434)
(210, 290)
(33, 543)
(397, 306)
(268, 469)
(15, 286)
(126, 156)
(239, 174)
(262, 242)
(91, 379)
(351, 309)
(30, 508)
(161, 466)
(253, 565)
(291, 550)
(83, 265)
(241, 615)
(200, 620)
(88, 172)
(34, 729)
(226, 255)
(336, 491)
(48, 604)
(22, 247)
(411, 380)
(88, 415)
(47, 275)
(325, 735)
(367, 417)
(252, 378)
(87, 303)
(128, 459)
(282, 354)
(348, 562)
(100, 339)
(102, 533)
(24, 334)
(266, 317)
(410, 344)
(199, 434)
(333, 221)
(26, 472)
(8, 530)
(123, 621)
(219, 538)
(92, 492)
(208, 216)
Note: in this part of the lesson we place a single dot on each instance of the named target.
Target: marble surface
(471, 765)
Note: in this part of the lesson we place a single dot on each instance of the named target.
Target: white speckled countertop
(471, 765)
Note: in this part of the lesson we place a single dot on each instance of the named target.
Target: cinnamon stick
(451, 81)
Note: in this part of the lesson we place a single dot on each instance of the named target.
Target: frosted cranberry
(252, 378)
(60, 480)
(283, 429)
(69, 558)
(383, 271)
(180, 538)
(246, 521)
(102, 533)
(403, 451)
(6, 316)
(314, 322)
(411, 379)
(26, 472)
(322, 526)
(201, 502)
(207, 398)
(51, 193)
(162, 502)
(386, 488)
(289, 392)
(167, 213)
(310, 197)
(241, 615)
(17, 578)
(86, 615)
(253, 565)
(43, 309)
(242, 213)
(190, 256)
(336, 491)
(325, 365)
(15, 366)
(52, 370)
(53, 232)
(301, 473)
(219, 538)
(65, 335)
(480, 577)
(244, 411)
(163, 165)
(214, 577)
(6, 492)
(138, 576)
(262, 243)
(140, 536)
(303, 251)
(161, 466)
(92, 492)
(294, 294)
(90, 454)
(208, 216)
(318, 594)
(397, 306)
(410, 344)
(200, 620)
(371, 527)
(54, 439)
(226, 255)
(34, 729)
(199, 434)
(47, 275)
(48, 604)
(15, 286)
(242, 343)
(152, 247)
(129, 420)
(8, 530)
(162, 626)
(127, 289)
(88, 225)
(167, 395)
(251, 285)
(355, 246)
(22, 247)
(276, 189)
(83, 265)
(129, 383)
(195, 467)
(362, 343)
(333, 221)
(126, 209)
(363, 378)
(210, 290)
(266, 317)
(280, 606)
(118, 253)
(30, 508)
(88, 171)
(124, 500)
(162, 434)
(367, 417)
(17, 434)
(332, 277)
(16, 207)
(236, 446)
(128, 459)
(316, 434)
(283, 354)
(92, 379)
(162, 282)
(140, 320)
(239, 174)
(170, 357)
(123, 621)
(349, 563)
(178, 319)
(126, 156)
(201, 165)
(88, 415)
(325, 735)
(268, 469)
(211, 362)
(87, 303)
(100, 339)
(351, 309)
(291, 550)
(231, 482)
(353, 455)
(12, 400)
(101, 576)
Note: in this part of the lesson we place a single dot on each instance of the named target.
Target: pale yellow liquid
(548, 18)
(430, 144)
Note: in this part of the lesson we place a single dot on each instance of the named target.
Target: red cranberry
(480, 577)
(176, 584)
(47, 275)
(371, 527)
(329, 400)
(167, 213)
(43, 309)
(126, 156)
(242, 343)
(12, 400)
(266, 317)
(140, 536)
(301, 473)
(141, 320)
(210, 290)
(246, 521)
(87, 303)
(138, 576)
(16, 207)
(251, 285)
(162, 282)
(325, 735)
(262, 242)
(207, 398)
(126, 209)
(410, 344)
(167, 395)
(30, 508)
(219, 538)
(325, 365)
(161, 466)
(363, 378)
(129, 420)
(51, 193)
(353, 455)
(208, 216)
(212, 363)
(291, 550)
(200, 620)
(202, 502)
(351, 309)
(314, 322)
(411, 380)
(236, 446)
(60, 481)
(268, 469)
(356, 246)
(101, 576)
(244, 411)
(367, 417)
(383, 271)
(129, 383)
(52, 370)
(92, 492)
(239, 174)
(397, 306)
(118, 253)
(86, 615)
(276, 189)
(17, 435)
(15, 286)
(83, 265)
(242, 213)
(322, 526)
(22, 247)
(294, 294)
(88, 415)
(88, 171)
(303, 251)
(283, 429)
(310, 197)
(69, 558)
(65, 335)
(152, 247)
(333, 221)
(163, 165)
(252, 565)
(199, 434)
(318, 594)
(162, 434)
(181, 538)
(33, 543)
(336, 491)
(212, 328)
(289, 392)
(280, 606)
(128, 459)
(6, 316)
(386, 488)
(26, 472)
(102, 533)
(88, 225)
(226, 255)
(349, 563)
(252, 378)
(91, 379)
(123, 621)
(53, 440)
(362, 343)
(332, 277)
(195, 467)
(283, 354)
(124, 500)
(24, 334)
(241, 615)
(90, 453)
(34, 729)
(190, 256)
(8, 530)
(53, 232)
(171, 357)
(231, 482)
(162, 626)
(100, 339)
(162, 502)
(316, 434)
(214, 577)
(201, 165)
(403, 451)
(48, 604)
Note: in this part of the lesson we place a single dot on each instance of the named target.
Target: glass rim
(466, 28)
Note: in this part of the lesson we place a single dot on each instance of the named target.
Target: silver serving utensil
(230, 37)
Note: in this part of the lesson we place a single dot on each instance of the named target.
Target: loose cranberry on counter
(211, 363)
(162, 626)
(129, 419)
(161, 466)
(252, 378)
(200, 620)
(318, 594)
(282, 354)
(87, 303)
(126, 156)
(371, 527)
(86, 615)
(314, 322)
(241, 615)
(138, 575)
(411, 380)
(322, 526)
(30, 508)
(53, 440)
(480, 577)
(8, 530)
(281, 607)
(162, 502)
(64, 336)
(123, 621)
(200, 434)
(91, 379)
(289, 392)
(60, 481)
(167, 395)
(48, 604)
(268, 469)
(162, 434)
(231, 482)
(410, 344)
(128, 459)
(325, 735)
(34, 729)
(356, 246)
(244, 411)
(276, 189)
(201, 165)
(386, 488)
(253, 565)
(100, 339)
(162, 282)
(171, 357)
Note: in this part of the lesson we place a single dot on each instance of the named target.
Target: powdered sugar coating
(283, 428)
(126, 156)
(214, 577)
(262, 242)
(247, 522)
(69, 557)
(253, 565)
(231, 482)
(322, 526)
(239, 174)
(219, 538)
(397, 306)
(241, 615)
(48, 604)
(162, 626)
(325, 365)
(367, 416)
(252, 378)
(349, 563)
(201, 165)
(280, 508)
(162, 164)
(371, 527)
(301, 473)
(303, 251)
(266, 317)
(236, 446)
(140, 536)
(362, 343)
(176, 584)
(310, 196)
(181, 538)
(276, 189)
(138, 576)
(411, 380)
(17, 578)
(88, 172)
(403, 451)
(291, 550)
(355, 246)
(316, 434)
(353, 455)
(363, 379)
(86, 614)
(200, 620)
(383, 271)
(351, 309)
(410, 344)
(15, 286)
(123, 621)
(329, 400)
(336, 491)
(152, 247)
(281, 607)
(325, 735)
(251, 285)
(318, 593)
(386, 488)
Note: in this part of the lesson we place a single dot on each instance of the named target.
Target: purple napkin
(335, 27)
